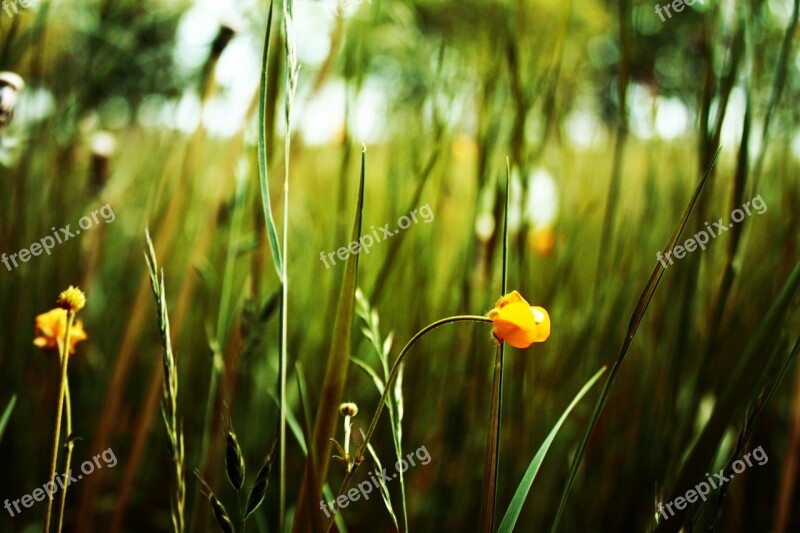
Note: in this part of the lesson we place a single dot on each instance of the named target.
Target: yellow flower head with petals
(72, 299)
(518, 323)
(50, 328)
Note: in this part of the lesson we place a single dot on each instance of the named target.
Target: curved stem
(69, 446)
(387, 389)
(64, 355)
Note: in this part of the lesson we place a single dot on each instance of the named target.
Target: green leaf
(272, 233)
(758, 408)
(521, 494)
(492, 457)
(387, 498)
(370, 372)
(335, 374)
(311, 471)
(294, 426)
(741, 386)
(633, 326)
(7, 415)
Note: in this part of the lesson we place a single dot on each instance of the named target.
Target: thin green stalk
(69, 445)
(633, 326)
(291, 88)
(621, 137)
(388, 387)
(64, 356)
(492, 460)
(492, 445)
(218, 361)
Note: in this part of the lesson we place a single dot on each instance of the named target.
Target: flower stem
(69, 446)
(387, 389)
(492, 447)
(64, 354)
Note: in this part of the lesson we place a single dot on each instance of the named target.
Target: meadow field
(259, 264)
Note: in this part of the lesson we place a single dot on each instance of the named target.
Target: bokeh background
(608, 118)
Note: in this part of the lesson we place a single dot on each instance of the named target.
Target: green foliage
(453, 91)
(521, 494)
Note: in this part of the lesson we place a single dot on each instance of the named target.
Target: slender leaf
(633, 326)
(521, 494)
(742, 383)
(311, 471)
(765, 398)
(371, 373)
(335, 372)
(492, 459)
(272, 233)
(294, 426)
(387, 500)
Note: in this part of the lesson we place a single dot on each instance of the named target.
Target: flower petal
(518, 323)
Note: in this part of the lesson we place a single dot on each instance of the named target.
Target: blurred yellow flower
(50, 328)
(518, 323)
(541, 240)
(72, 299)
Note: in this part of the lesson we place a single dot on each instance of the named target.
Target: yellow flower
(72, 299)
(518, 323)
(541, 240)
(50, 328)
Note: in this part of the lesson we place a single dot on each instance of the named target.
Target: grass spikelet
(394, 402)
(234, 462)
(169, 400)
(387, 499)
(220, 514)
(259, 488)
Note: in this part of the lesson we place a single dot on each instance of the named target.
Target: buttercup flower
(541, 240)
(518, 323)
(50, 328)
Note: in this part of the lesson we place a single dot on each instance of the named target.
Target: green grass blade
(758, 410)
(505, 231)
(512, 514)
(335, 372)
(781, 68)
(297, 431)
(7, 415)
(741, 387)
(633, 326)
(376, 379)
(387, 498)
(492, 459)
(272, 233)
(311, 472)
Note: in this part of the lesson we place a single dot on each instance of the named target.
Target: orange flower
(50, 328)
(541, 240)
(518, 323)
